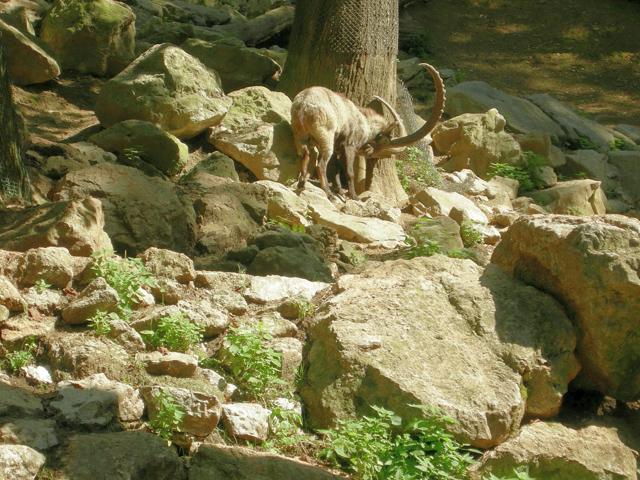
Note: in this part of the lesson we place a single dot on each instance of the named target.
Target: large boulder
(77, 225)
(552, 451)
(237, 65)
(27, 62)
(628, 164)
(140, 211)
(218, 462)
(575, 197)
(257, 133)
(168, 87)
(475, 141)
(122, 456)
(522, 116)
(576, 128)
(147, 141)
(590, 266)
(443, 333)
(90, 36)
(228, 212)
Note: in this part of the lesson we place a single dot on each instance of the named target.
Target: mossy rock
(90, 36)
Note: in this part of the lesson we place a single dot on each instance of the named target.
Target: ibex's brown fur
(329, 122)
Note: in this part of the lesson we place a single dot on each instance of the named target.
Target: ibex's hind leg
(304, 166)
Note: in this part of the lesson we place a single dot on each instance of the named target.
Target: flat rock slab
(273, 288)
(237, 463)
(122, 456)
(174, 364)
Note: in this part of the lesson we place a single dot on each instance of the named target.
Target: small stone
(165, 263)
(95, 401)
(173, 364)
(97, 296)
(36, 433)
(202, 411)
(10, 296)
(273, 288)
(19, 462)
(54, 265)
(246, 421)
(36, 375)
(214, 378)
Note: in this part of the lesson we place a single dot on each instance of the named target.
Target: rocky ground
(241, 322)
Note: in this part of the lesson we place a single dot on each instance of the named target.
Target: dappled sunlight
(586, 54)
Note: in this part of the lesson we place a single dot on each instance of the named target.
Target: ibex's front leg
(349, 161)
(326, 151)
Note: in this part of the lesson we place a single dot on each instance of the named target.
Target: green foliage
(253, 365)
(17, 359)
(528, 176)
(518, 474)
(305, 308)
(175, 332)
(42, 286)
(418, 242)
(101, 322)
(470, 234)
(511, 171)
(381, 447)
(415, 166)
(585, 143)
(620, 144)
(167, 417)
(286, 434)
(416, 44)
(461, 253)
(125, 276)
(280, 222)
(132, 154)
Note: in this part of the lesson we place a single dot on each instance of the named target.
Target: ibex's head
(384, 145)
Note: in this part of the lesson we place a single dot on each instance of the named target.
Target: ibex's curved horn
(396, 117)
(438, 109)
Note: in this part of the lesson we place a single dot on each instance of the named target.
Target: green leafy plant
(167, 417)
(280, 222)
(286, 434)
(17, 359)
(518, 474)
(415, 166)
(175, 332)
(132, 154)
(620, 144)
(254, 366)
(305, 308)
(42, 286)
(419, 244)
(382, 447)
(460, 253)
(528, 175)
(101, 322)
(470, 234)
(585, 143)
(125, 276)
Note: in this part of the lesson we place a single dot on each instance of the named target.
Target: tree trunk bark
(14, 181)
(349, 46)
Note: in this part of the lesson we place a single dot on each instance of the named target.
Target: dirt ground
(584, 52)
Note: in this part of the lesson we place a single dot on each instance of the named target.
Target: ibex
(331, 123)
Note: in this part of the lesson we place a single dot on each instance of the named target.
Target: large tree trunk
(14, 182)
(349, 46)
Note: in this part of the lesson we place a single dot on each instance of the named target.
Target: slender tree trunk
(14, 181)
(349, 46)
